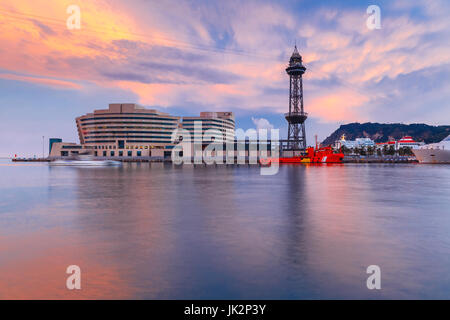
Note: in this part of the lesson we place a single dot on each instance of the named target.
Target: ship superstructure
(434, 152)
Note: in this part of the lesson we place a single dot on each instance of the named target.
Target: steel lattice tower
(296, 116)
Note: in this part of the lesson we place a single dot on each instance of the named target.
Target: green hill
(382, 132)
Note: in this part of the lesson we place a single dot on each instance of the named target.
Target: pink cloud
(128, 46)
(54, 83)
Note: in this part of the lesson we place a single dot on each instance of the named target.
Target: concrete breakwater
(347, 159)
(378, 159)
(30, 160)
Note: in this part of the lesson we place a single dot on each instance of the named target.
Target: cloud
(54, 83)
(262, 123)
(44, 29)
(232, 55)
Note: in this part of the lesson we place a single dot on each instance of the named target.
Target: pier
(30, 160)
(378, 159)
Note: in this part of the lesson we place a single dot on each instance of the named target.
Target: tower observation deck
(296, 116)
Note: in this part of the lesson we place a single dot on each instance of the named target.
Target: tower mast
(296, 116)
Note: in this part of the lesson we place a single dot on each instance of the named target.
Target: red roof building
(406, 141)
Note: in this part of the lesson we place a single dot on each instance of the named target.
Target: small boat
(83, 161)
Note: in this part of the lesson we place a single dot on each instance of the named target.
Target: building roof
(389, 142)
(407, 139)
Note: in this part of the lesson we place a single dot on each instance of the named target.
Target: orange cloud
(340, 105)
(34, 34)
(36, 41)
(45, 81)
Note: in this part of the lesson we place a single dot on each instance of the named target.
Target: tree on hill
(382, 132)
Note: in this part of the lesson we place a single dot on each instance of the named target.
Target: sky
(184, 57)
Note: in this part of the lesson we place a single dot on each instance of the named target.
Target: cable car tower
(296, 116)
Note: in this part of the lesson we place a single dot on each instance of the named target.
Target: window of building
(130, 153)
(104, 153)
(120, 153)
(112, 153)
(139, 153)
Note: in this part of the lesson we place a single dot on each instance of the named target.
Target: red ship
(316, 155)
(313, 155)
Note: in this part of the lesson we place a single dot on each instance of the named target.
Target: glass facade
(124, 125)
(131, 130)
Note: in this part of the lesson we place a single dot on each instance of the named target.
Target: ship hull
(86, 163)
(432, 155)
(318, 155)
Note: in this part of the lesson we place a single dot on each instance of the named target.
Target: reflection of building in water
(295, 208)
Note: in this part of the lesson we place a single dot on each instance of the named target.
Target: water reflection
(161, 231)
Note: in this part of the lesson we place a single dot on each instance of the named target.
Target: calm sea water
(155, 231)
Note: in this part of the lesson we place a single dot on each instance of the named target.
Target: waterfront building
(388, 144)
(406, 141)
(130, 130)
(352, 144)
(122, 130)
(126, 129)
(65, 149)
(222, 122)
(51, 141)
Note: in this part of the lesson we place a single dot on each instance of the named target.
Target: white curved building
(130, 130)
(126, 130)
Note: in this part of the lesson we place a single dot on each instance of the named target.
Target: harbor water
(158, 231)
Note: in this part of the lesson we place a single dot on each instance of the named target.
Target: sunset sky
(184, 57)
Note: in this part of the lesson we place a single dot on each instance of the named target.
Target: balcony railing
(296, 114)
